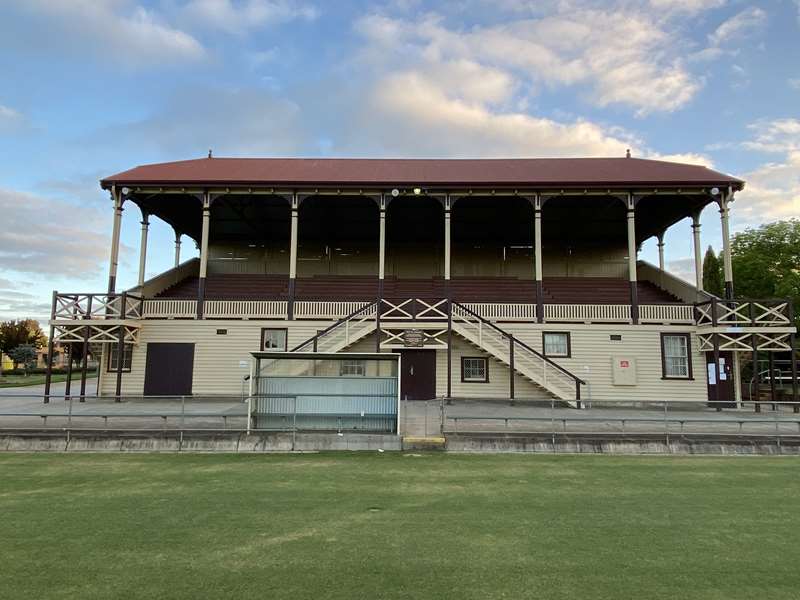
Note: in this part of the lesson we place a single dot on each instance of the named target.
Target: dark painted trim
(485, 360)
(569, 344)
(290, 302)
(201, 296)
(634, 303)
(688, 337)
(729, 290)
(539, 301)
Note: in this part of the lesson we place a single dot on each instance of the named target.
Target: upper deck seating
(232, 287)
(557, 290)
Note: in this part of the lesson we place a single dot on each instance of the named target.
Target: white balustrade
(587, 313)
(244, 309)
(169, 309)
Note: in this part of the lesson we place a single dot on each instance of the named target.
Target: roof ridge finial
(209, 153)
(627, 153)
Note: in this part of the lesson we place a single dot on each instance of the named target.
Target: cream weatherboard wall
(217, 360)
(217, 357)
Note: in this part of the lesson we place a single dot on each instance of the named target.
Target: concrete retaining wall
(680, 446)
(275, 442)
(313, 442)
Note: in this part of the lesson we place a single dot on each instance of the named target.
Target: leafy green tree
(712, 273)
(766, 261)
(20, 332)
(24, 354)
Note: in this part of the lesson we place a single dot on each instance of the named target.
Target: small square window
(556, 344)
(273, 340)
(127, 356)
(353, 368)
(474, 369)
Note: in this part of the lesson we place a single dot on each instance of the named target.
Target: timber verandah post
(143, 246)
(382, 201)
(48, 377)
(698, 252)
(295, 208)
(727, 263)
(85, 356)
(118, 200)
(201, 282)
(121, 345)
(537, 256)
(632, 277)
(793, 360)
(715, 343)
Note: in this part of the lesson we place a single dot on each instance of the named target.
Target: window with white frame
(675, 352)
(353, 368)
(273, 340)
(474, 369)
(556, 344)
(127, 356)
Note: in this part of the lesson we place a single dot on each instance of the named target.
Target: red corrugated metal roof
(520, 172)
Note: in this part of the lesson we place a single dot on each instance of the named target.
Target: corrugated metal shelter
(326, 391)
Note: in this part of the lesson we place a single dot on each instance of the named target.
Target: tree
(766, 261)
(21, 332)
(24, 354)
(712, 273)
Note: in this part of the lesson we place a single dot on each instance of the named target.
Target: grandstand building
(492, 278)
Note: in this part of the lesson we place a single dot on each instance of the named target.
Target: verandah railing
(750, 313)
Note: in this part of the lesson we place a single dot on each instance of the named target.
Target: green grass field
(7, 381)
(398, 526)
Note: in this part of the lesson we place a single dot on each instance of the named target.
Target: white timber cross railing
(744, 313)
(121, 306)
(517, 355)
(344, 332)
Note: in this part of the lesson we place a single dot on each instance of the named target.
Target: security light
(125, 191)
(417, 191)
(714, 191)
(395, 193)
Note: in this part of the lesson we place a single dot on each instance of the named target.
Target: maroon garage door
(168, 371)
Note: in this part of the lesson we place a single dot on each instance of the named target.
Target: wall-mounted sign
(413, 338)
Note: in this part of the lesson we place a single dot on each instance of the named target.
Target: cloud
(686, 6)
(683, 268)
(780, 135)
(21, 305)
(50, 236)
(115, 30)
(619, 57)
(10, 120)
(739, 25)
(245, 121)
(239, 17)
(773, 189)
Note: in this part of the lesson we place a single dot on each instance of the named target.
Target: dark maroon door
(726, 390)
(168, 370)
(418, 374)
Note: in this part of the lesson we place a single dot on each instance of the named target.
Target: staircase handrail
(521, 343)
(333, 326)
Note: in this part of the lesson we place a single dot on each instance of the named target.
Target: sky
(93, 87)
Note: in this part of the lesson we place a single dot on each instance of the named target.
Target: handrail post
(450, 350)
(511, 371)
